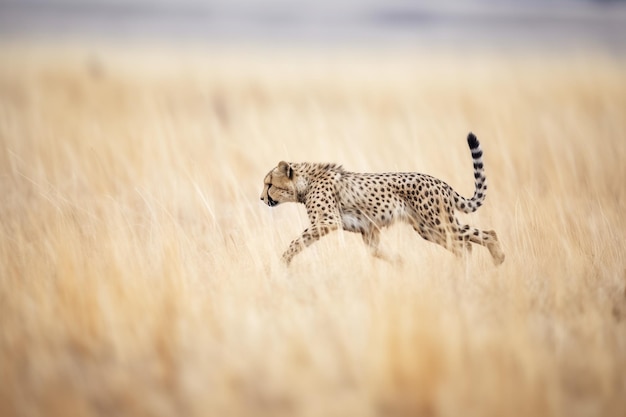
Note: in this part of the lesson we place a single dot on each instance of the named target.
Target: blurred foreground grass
(140, 274)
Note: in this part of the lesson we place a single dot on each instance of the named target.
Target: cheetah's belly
(354, 222)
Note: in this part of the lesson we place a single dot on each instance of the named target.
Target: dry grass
(140, 274)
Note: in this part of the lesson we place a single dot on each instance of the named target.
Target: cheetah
(365, 203)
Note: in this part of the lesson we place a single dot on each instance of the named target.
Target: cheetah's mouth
(271, 202)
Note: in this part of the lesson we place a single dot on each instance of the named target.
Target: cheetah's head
(280, 186)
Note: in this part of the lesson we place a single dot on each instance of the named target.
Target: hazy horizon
(485, 23)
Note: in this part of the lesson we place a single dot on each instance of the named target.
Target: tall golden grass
(140, 274)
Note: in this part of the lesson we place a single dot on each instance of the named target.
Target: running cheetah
(365, 203)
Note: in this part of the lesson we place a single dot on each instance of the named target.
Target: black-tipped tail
(480, 181)
(472, 141)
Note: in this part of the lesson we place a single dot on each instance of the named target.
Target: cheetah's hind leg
(494, 247)
(447, 237)
(489, 239)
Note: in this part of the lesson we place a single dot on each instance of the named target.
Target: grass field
(140, 274)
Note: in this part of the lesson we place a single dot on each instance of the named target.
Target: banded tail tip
(472, 141)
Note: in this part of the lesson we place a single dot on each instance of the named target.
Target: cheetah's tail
(480, 181)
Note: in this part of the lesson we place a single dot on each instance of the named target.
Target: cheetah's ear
(286, 169)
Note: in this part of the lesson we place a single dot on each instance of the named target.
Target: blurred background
(484, 23)
(140, 274)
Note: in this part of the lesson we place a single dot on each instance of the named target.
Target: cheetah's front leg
(310, 235)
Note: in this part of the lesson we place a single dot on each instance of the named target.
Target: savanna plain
(140, 273)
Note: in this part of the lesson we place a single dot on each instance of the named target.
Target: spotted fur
(365, 203)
